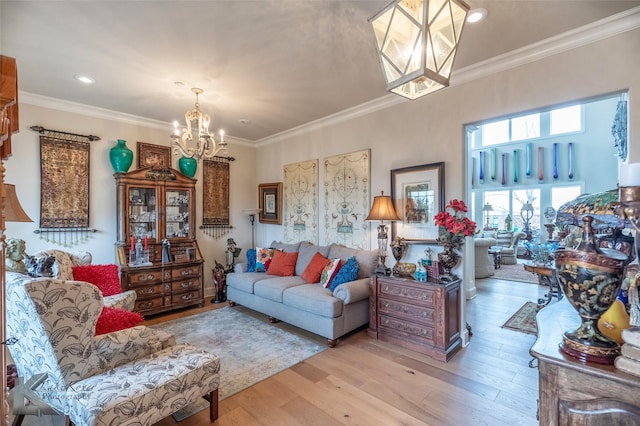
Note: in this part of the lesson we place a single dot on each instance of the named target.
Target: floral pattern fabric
(134, 376)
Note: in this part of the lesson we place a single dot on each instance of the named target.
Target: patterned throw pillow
(251, 260)
(330, 271)
(39, 266)
(263, 258)
(348, 272)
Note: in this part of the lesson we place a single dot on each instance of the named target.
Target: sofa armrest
(352, 291)
(121, 347)
(240, 268)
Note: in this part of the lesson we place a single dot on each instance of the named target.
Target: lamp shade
(13, 211)
(417, 41)
(382, 209)
(487, 208)
(595, 205)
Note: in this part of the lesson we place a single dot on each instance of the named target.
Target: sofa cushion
(105, 277)
(245, 281)
(330, 270)
(287, 248)
(263, 258)
(314, 299)
(305, 254)
(348, 272)
(273, 288)
(367, 259)
(314, 269)
(251, 260)
(283, 264)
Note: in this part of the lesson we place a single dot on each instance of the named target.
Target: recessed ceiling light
(476, 15)
(84, 79)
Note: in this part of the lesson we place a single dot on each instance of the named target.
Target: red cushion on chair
(115, 319)
(105, 277)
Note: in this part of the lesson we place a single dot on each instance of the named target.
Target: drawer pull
(385, 322)
(188, 296)
(424, 314)
(145, 278)
(186, 284)
(386, 304)
(144, 291)
(186, 272)
(145, 305)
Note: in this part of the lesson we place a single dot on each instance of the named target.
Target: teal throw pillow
(348, 272)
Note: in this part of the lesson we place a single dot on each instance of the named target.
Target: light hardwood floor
(367, 382)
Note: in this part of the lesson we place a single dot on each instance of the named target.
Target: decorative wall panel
(300, 219)
(347, 199)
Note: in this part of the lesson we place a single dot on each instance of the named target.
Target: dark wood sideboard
(421, 316)
(576, 393)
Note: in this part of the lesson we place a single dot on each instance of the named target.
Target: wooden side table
(546, 276)
(573, 392)
(421, 316)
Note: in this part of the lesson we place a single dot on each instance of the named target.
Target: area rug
(515, 273)
(249, 349)
(524, 320)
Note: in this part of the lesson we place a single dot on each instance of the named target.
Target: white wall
(431, 129)
(23, 170)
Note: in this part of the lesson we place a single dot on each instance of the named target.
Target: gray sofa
(308, 306)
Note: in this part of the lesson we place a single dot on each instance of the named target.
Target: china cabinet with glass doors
(157, 248)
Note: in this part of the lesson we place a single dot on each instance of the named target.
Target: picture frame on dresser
(150, 155)
(270, 203)
(418, 195)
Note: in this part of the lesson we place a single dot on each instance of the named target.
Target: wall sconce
(382, 210)
(417, 41)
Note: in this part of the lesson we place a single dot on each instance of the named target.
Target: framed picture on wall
(270, 203)
(418, 195)
(157, 156)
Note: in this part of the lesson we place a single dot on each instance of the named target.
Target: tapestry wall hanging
(347, 199)
(215, 196)
(64, 186)
(300, 218)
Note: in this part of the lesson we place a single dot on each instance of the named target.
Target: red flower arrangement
(454, 225)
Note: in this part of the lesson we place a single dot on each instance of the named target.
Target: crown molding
(106, 114)
(587, 34)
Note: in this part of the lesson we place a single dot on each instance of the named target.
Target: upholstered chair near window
(134, 376)
(509, 242)
(483, 260)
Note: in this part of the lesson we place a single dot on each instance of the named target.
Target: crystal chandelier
(206, 147)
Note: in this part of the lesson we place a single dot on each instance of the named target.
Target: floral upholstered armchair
(134, 376)
(61, 264)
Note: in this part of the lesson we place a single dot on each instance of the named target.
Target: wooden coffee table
(546, 276)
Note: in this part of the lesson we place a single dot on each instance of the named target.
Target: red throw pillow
(105, 277)
(283, 264)
(314, 269)
(116, 319)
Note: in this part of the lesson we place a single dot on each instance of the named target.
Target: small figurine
(232, 252)
(220, 283)
(16, 252)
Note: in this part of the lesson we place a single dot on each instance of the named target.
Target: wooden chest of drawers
(424, 317)
(162, 288)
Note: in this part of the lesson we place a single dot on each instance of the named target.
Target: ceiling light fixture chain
(206, 146)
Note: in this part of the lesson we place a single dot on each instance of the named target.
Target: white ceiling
(278, 64)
